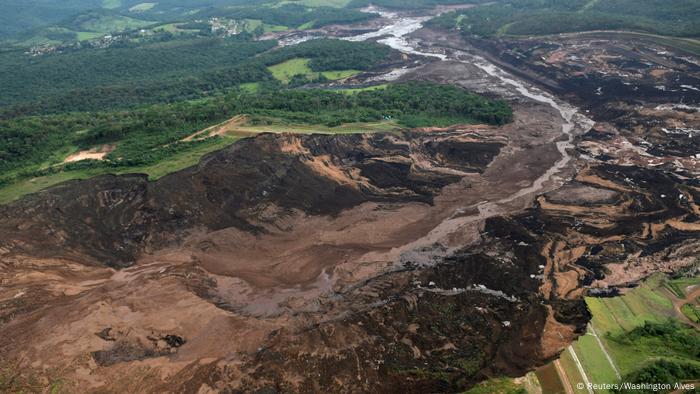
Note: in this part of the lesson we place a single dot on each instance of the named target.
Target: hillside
(535, 17)
(319, 196)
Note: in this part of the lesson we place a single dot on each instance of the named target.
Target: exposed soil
(268, 246)
(98, 153)
(424, 261)
(218, 130)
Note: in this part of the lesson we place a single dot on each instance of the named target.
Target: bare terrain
(420, 261)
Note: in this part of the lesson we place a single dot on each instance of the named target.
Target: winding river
(396, 35)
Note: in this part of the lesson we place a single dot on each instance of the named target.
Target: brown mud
(424, 261)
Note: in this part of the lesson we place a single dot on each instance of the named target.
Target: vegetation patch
(102, 22)
(153, 139)
(643, 333)
(692, 312)
(111, 4)
(534, 17)
(403, 4)
(410, 104)
(593, 359)
(289, 14)
(299, 70)
(142, 7)
(497, 385)
(332, 55)
(170, 71)
(661, 372)
(286, 70)
(363, 89)
(678, 286)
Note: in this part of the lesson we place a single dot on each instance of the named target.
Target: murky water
(396, 35)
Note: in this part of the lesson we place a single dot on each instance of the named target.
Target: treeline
(678, 349)
(114, 78)
(539, 17)
(26, 78)
(21, 15)
(151, 134)
(403, 4)
(411, 104)
(332, 55)
(145, 136)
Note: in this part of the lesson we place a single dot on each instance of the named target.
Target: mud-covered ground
(419, 262)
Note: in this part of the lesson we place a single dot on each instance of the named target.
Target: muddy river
(396, 33)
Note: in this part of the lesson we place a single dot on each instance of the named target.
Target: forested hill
(20, 16)
(159, 72)
(178, 67)
(539, 17)
(41, 22)
(411, 4)
(34, 147)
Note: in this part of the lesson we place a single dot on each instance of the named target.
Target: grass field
(498, 385)
(307, 25)
(348, 128)
(613, 320)
(111, 4)
(692, 312)
(142, 7)
(173, 28)
(181, 160)
(678, 286)
(113, 23)
(251, 87)
(366, 89)
(572, 372)
(317, 3)
(252, 24)
(648, 302)
(88, 35)
(175, 163)
(593, 360)
(286, 70)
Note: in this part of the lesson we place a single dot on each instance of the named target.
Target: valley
(454, 210)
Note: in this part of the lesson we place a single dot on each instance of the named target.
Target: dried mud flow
(421, 261)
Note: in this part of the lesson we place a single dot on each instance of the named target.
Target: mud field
(424, 261)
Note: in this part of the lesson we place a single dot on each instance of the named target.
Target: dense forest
(292, 15)
(150, 134)
(74, 20)
(411, 104)
(527, 17)
(22, 17)
(99, 79)
(145, 95)
(404, 4)
(331, 55)
(684, 340)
